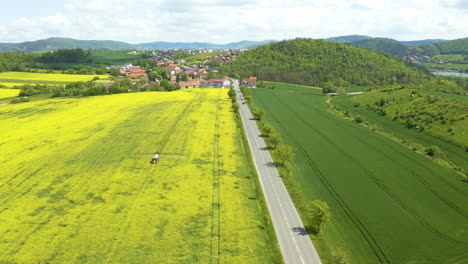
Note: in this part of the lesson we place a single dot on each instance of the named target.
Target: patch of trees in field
(316, 62)
(65, 56)
(16, 61)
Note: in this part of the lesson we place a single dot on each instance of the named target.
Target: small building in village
(194, 83)
(250, 82)
(221, 83)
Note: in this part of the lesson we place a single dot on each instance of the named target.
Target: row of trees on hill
(316, 62)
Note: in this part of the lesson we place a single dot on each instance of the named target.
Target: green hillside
(456, 46)
(63, 43)
(402, 48)
(318, 62)
(386, 45)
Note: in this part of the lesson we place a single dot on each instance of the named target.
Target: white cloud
(57, 20)
(225, 21)
(455, 3)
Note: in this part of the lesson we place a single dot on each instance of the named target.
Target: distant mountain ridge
(398, 48)
(348, 39)
(68, 43)
(63, 43)
(245, 44)
(386, 45)
(422, 42)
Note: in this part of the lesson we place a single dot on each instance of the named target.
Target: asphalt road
(294, 242)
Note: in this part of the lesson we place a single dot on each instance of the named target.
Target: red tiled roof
(220, 80)
(249, 80)
(135, 69)
(137, 74)
(194, 82)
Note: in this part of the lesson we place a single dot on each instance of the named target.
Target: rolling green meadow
(77, 185)
(388, 203)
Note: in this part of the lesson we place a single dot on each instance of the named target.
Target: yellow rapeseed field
(6, 93)
(11, 84)
(77, 186)
(30, 77)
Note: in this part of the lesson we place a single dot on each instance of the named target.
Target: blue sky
(223, 21)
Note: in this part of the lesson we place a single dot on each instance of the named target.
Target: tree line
(91, 88)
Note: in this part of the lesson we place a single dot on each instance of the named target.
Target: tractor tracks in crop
(173, 126)
(423, 181)
(439, 195)
(367, 235)
(375, 179)
(426, 142)
(161, 147)
(215, 227)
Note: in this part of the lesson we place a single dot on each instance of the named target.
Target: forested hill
(456, 46)
(316, 62)
(400, 49)
(386, 45)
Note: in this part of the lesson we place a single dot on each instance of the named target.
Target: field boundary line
(305, 86)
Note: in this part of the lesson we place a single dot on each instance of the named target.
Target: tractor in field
(155, 158)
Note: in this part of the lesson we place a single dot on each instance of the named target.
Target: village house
(201, 73)
(250, 82)
(221, 83)
(135, 72)
(194, 83)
